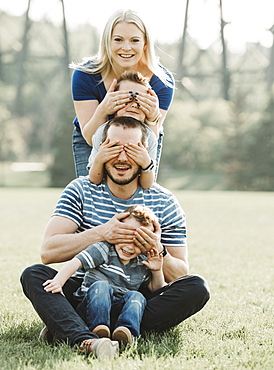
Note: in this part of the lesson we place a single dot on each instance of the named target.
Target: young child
(135, 83)
(113, 274)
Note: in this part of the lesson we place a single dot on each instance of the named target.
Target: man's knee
(202, 288)
(28, 273)
(37, 272)
(198, 288)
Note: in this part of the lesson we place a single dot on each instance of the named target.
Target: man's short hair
(126, 122)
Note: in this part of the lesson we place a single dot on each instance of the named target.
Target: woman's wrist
(155, 121)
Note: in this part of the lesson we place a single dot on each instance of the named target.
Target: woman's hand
(149, 104)
(114, 100)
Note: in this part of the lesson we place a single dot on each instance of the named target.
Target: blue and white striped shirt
(90, 205)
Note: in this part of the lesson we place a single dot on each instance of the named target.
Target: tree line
(218, 123)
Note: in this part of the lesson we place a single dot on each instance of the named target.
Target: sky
(248, 20)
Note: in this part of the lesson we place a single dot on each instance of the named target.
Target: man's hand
(114, 231)
(146, 239)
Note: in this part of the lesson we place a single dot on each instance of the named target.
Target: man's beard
(122, 181)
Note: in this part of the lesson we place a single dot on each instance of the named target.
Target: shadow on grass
(165, 344)
(23, 349)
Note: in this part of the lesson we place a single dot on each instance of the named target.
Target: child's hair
(132, 76)
(142, 214)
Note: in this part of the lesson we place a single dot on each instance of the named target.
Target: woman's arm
(91, 114)
(90, 117)
(158, 127)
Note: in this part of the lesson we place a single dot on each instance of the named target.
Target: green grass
(231, 243)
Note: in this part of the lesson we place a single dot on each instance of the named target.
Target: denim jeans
(81, 152)
(158, 154)
(165, 308)
(102, 307)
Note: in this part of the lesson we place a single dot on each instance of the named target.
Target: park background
(219, 130)
(217, 158)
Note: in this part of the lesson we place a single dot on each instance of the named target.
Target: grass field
(231, 242)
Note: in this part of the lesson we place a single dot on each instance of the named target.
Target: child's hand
(108, 150)
(139, 154)
(155, 260)
(53, 286)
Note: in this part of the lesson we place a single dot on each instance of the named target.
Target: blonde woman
(125, 45)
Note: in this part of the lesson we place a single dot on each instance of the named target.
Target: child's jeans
(102, 307)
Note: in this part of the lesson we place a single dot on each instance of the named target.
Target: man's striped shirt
(90, 205)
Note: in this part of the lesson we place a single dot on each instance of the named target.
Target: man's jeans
(101, 307)
(165, 308)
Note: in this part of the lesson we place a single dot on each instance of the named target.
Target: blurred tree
(262, 168)
(252, 165)
(22, 57)
(203, 131)
(270, 69)
(225, 69)
(181, 48)
(194, 134)
(62, 169)
(249, 157)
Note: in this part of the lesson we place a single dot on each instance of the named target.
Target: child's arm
(140, 155)
(155, 264)
(55, 285)
(107, 151)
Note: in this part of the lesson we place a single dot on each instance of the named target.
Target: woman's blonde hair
(102, 62)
